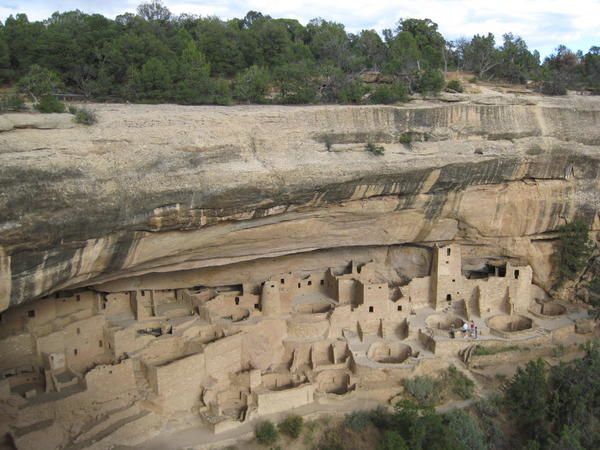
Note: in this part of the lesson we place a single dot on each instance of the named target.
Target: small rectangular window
(78, 330)
(516, 274)
(75, 352)
(399, 307)
(299, 285)
(448, 252)
(282, 281)
(237, 300)
(322, 282)
(371, 309)
(310, 283)
(100, 344)
(31, 313)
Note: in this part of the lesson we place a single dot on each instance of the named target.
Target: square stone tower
(446, 276)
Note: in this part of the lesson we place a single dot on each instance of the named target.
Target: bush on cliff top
(85, 116)
(50, 104)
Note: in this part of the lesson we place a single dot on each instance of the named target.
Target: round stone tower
(270, 300)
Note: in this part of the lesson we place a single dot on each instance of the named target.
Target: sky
(544, 24)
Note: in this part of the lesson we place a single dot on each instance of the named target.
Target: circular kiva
(444, 321)
(389, 353)
(510, 324)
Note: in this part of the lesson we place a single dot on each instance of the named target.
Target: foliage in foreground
(266, 433)
(428, 391)
(549, 408)
(557, 407)
(292, 426)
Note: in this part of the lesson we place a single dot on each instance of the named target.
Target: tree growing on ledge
(575, 250)
(39, 82)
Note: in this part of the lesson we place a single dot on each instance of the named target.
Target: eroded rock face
(196, 194)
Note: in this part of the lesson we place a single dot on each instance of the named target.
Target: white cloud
(542, 23)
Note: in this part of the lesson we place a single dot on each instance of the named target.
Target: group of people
(468, 330)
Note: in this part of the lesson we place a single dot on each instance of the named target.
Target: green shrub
(39, 82)
(494, 435)
(296, 82)
(309, 433)
(328, 141)
(424, 389)
(292, 426)
(357, 420)
(458, 383)
(332, 439)
(85, 116)
(266, 433)
(554, 84)
(352, 91)
(473, 80)
(377, 150)
(526, 396)
(252, 85)
(431, 82)
(483, 351)
(381, 418)
(487, 408)
(389, 93)
(50, 104)
(466, 430)
(221, 92)
(575, 249)
(12, 102)
(406, 138)
(455, 85)
(391, 440)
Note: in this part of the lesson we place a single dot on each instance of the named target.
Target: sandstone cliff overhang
(168, 188)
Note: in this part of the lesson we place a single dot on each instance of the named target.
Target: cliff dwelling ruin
(80, 360)
(202, 268)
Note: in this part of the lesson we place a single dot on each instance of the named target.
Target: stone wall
(270, 402)
(179, 383)
(224, 356)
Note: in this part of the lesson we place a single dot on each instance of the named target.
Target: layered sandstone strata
(172, 196)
